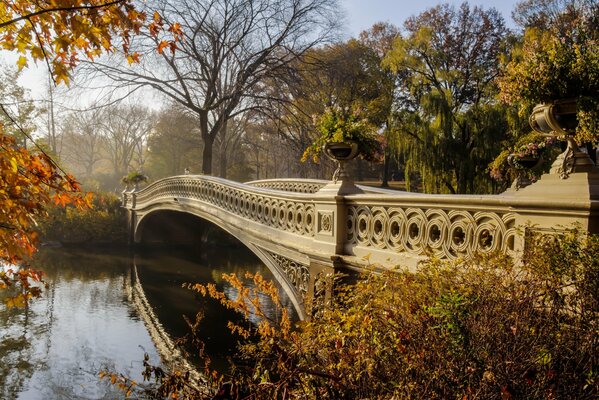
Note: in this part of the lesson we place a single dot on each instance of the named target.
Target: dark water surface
(95, 316)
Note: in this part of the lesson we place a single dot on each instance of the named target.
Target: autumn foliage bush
(29, 183)
(104, 222)
(471, 329)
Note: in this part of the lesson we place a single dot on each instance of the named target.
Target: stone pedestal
(554, 202)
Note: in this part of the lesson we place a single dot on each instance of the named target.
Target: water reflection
(55, 348)
(162, 274)
(89, 319)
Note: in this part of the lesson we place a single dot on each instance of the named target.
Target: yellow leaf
(13, 163)
(133, 58)
(21, 62)
(37, 53)
(81, 42)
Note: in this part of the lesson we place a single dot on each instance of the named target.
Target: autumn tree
(379, 38)
(545, 14)
(556, 58)
(228, 48)
(59, 33)
(17, 106)
(346, 75)
(448, 121)
(125, 131)
(174, 144)
(82, 139)
(229, 144)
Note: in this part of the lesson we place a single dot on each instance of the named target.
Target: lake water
(104, 310)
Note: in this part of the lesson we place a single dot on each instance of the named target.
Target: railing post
(554, 203)
(331, 216)
(128, 202)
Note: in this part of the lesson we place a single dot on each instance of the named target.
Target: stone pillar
(131, 220)
(554, 203)
(128, 202)
(331, 216)
(320, 288)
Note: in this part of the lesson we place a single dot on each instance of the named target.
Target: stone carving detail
(307, 186)
(285, 214)
(297, 274)
(325, 224)
(445, 233)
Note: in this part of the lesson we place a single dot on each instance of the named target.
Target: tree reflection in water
(86, 321)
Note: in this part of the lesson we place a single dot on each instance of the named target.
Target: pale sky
(360, 15)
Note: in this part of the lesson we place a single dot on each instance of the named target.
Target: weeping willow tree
(448, 125)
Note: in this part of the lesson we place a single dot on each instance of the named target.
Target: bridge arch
(175, 218)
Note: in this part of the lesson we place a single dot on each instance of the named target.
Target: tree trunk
(386, 164)
(207, 155)
(223, 151)
(208, 140)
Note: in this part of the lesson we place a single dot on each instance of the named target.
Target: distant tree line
(241, 92)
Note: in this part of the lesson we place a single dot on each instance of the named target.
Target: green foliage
(532, 145)
(134, 178)
(344, 125)
(344, 75)
(448, 123)
(104, 223)
(173, 145)
(558, 61)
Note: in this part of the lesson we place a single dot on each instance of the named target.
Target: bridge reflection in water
(94, 316)
(156, 279)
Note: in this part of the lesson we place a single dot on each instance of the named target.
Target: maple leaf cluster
(29, 183)
(60, 32)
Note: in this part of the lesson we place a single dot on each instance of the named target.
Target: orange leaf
(161, 46)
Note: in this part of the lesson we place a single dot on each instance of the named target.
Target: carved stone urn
(558, 118)
(341, 152)
(555, 119)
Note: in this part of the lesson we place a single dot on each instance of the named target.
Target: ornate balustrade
(374, 221)
(446, 226)
(290, 185)
(287, 212)
(302, 229)
(308, 186)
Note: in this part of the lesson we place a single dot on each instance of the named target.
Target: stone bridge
(304, 229)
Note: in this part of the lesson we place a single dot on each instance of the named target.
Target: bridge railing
(451, 226)
(290, 185)
(415, 224)
(309, 185)
(386, 224)
(286, 211)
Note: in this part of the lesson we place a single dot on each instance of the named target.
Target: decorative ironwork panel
(445, 233)
(296, 273)
(299, 186)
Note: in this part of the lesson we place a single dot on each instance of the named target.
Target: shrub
(471, 329)
(104, 222)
